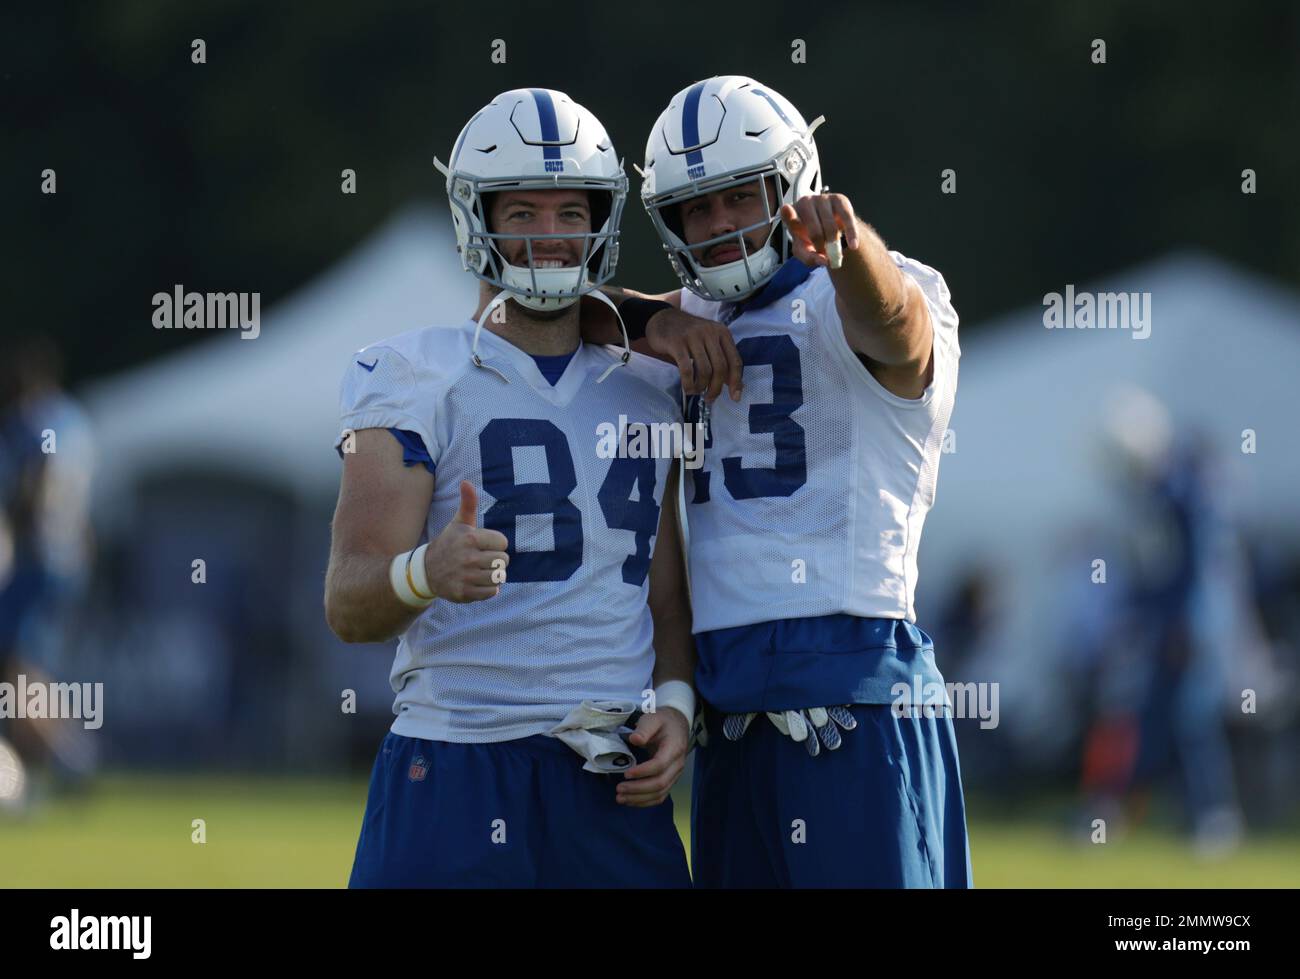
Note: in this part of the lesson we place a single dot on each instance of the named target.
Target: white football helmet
(715, 134)
(538, 139)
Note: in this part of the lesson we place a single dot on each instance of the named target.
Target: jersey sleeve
(414, 452)
(943, 317)
(379, 390)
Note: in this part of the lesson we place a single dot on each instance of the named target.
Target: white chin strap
(503, 297)
(731, 282)
(550, 282)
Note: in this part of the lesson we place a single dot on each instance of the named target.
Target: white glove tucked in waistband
(595, 729)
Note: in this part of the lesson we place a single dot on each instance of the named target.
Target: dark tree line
(226, 175)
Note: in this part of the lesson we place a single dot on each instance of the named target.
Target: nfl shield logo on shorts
(419, 768)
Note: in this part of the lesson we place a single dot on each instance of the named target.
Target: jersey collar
(790, 276)
(496, 349)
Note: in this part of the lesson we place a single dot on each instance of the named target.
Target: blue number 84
(513, 500)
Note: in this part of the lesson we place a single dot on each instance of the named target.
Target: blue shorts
(508, 814)
(885, 809)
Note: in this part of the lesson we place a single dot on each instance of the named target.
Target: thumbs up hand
(466, 563)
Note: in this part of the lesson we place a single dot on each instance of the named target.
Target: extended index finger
(792, 221)
(801, 238)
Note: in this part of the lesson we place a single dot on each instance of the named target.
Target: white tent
(267, 407)
(1222, 354)
(263, 413)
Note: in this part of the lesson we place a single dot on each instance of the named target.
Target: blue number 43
(790, 469)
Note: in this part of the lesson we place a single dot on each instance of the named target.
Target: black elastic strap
(636, 314)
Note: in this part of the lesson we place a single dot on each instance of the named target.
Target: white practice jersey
(816, 485)
(571, 622)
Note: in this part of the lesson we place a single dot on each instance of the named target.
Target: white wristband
(420, 575)
(407, 576)
(678, 695)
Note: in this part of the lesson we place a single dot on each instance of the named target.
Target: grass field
(135, 832)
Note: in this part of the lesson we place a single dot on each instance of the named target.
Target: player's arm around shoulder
(381, 514)
(703, 350)
(666, 731)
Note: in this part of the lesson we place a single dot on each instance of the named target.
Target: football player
(534, 581)
(805, 519)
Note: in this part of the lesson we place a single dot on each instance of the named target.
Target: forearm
(674, 645)
(868, 282)
(669, 599)
(881, 308)
(599, 325)
(619, 293)
(360, 604)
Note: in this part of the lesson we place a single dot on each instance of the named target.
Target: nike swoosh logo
(368, 367)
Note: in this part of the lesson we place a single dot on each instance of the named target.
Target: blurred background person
(1185, 632)
(46, 551)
